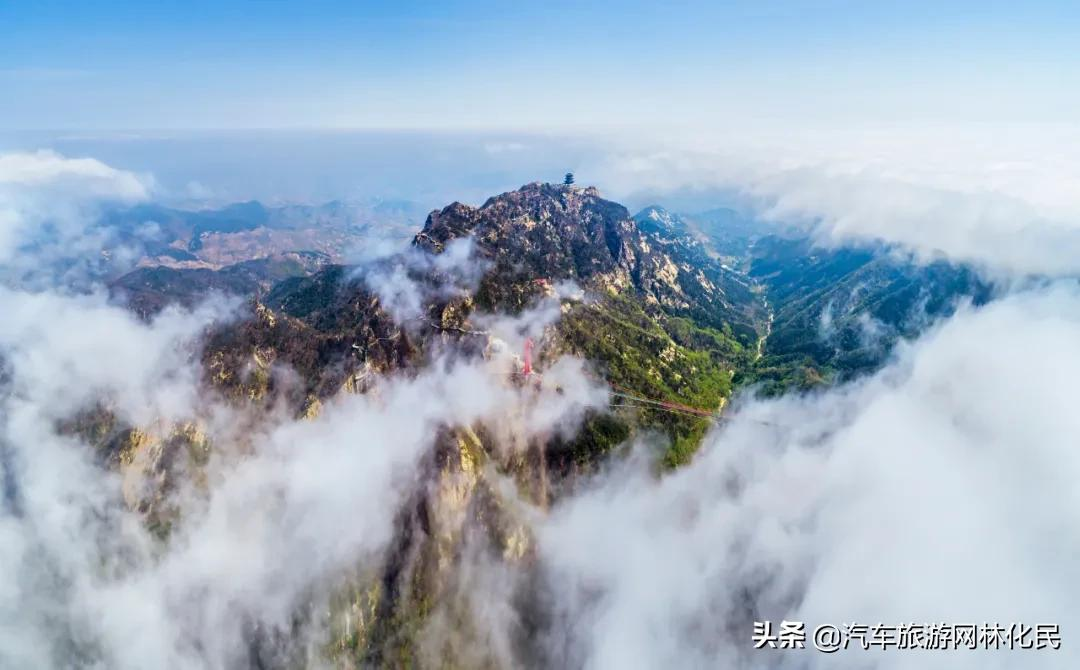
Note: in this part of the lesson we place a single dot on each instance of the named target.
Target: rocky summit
(560, 232)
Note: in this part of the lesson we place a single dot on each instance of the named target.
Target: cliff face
(552, 232)
(543, 231)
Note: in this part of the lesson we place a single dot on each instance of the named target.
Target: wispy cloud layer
(999, 197)
(48, 210)
(938, 490)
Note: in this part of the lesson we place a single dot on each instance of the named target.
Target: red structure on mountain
(527, 369)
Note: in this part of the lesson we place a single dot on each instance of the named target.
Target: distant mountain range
(244, 249)
(244, 231)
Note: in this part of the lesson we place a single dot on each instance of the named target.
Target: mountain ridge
(663, 323)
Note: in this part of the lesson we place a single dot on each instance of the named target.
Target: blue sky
(548, 65)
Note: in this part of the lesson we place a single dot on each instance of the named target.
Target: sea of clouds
(942, 488)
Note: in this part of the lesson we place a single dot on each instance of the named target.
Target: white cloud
(310, 500)
(942, 489)
(996, 196)
(76, 178)
(406, 280)
(49, 205)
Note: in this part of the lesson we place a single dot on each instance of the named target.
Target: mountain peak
(537, 212)
(657, 220)
(557, 231)
(656, 213)
(541, 189)
(540, 230)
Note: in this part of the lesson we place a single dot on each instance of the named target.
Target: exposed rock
(661, 318)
